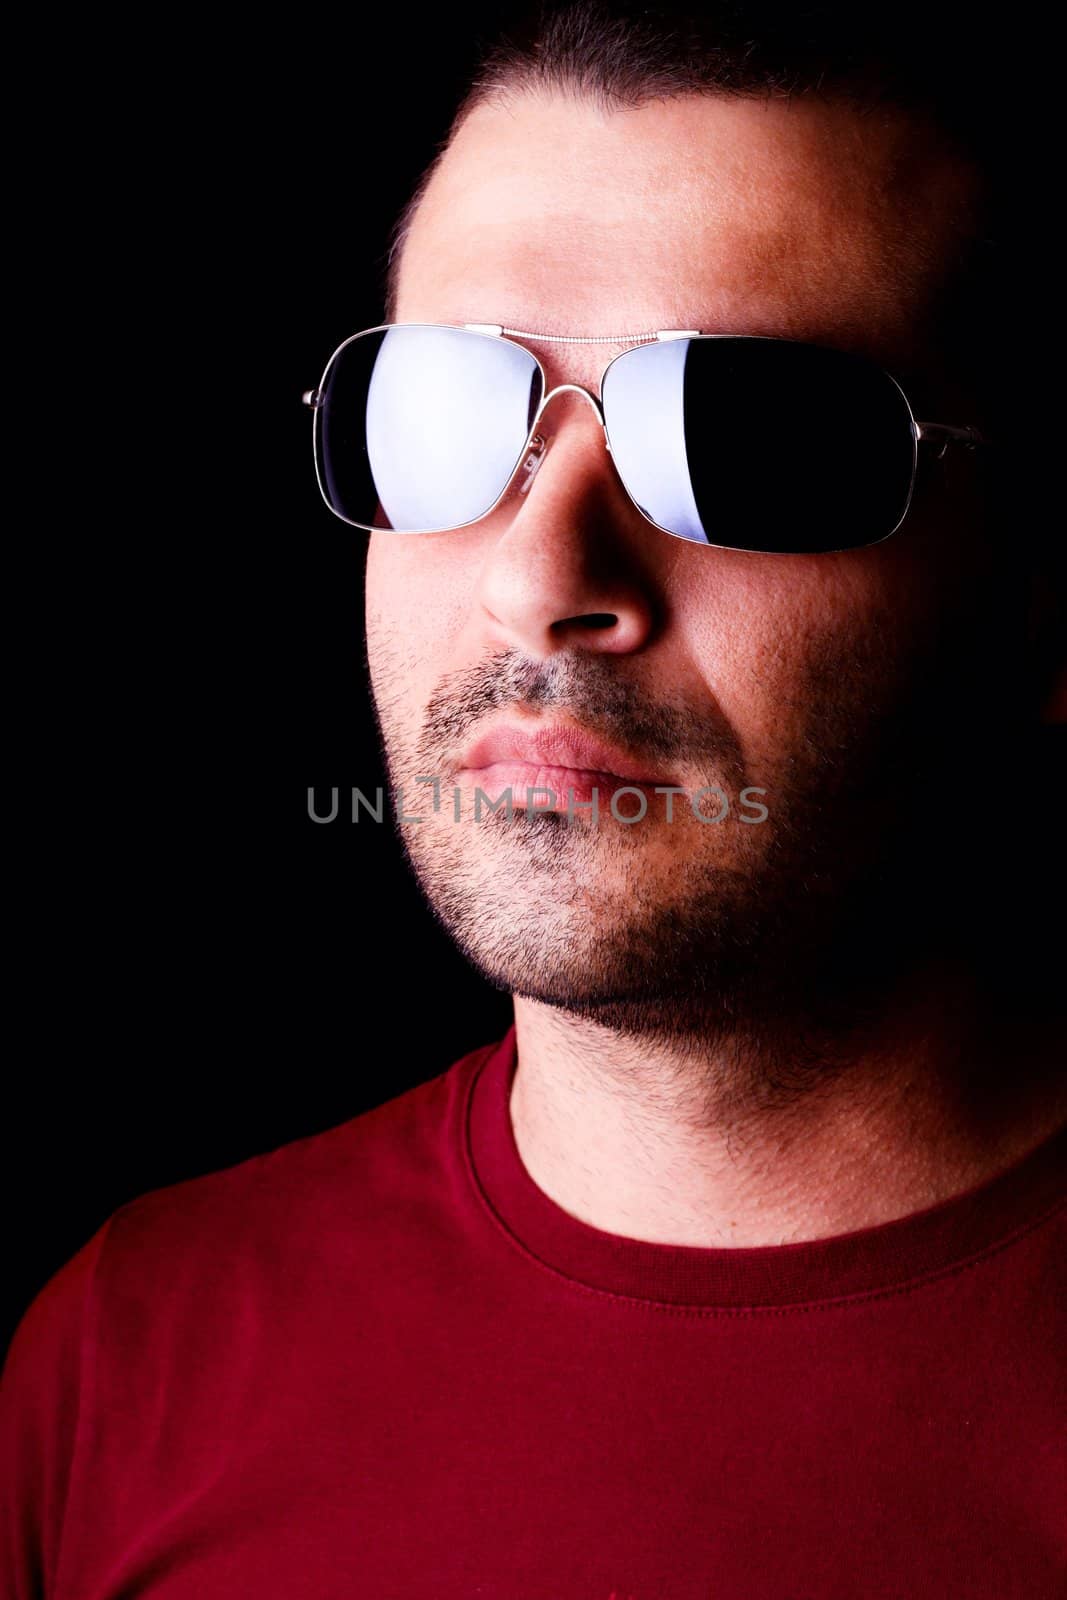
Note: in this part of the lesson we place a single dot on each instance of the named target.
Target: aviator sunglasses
(739, 441)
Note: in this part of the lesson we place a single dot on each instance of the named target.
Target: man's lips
(555, 757)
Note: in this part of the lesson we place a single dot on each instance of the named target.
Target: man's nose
(571, 567)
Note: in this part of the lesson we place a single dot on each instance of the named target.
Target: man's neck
(689, 1144)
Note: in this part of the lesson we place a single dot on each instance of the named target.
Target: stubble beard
(787, 931)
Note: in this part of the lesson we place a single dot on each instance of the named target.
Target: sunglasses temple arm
(944, 435)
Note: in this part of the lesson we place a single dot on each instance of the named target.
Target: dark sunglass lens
(762, 444)
(420, 427)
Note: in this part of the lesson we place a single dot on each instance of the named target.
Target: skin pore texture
(735, 1033)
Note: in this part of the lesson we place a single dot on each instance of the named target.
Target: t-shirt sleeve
(41, 1394)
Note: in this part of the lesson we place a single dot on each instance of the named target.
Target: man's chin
(629, 961)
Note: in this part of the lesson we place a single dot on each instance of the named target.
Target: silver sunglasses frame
(936, 433)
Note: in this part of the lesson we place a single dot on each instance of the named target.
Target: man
(731, 1271)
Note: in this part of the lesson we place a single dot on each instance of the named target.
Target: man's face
(840, 685)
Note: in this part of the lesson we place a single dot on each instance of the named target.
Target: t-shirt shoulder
(320, 1187)
(42, 1384)
(317, 1186)
(232, 1243)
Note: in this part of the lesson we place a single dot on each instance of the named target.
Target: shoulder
(190, 1290)
(301, 1197)
(219, 1233)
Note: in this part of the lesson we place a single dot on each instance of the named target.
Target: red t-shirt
(380, 1363)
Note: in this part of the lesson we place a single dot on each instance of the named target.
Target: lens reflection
(760, 444)
(420, 427)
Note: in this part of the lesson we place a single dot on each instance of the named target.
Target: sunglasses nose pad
(533, 460)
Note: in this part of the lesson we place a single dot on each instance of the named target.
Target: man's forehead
(794, 220)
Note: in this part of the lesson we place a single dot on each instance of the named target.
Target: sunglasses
(733, 440)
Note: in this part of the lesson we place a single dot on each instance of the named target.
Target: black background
(202, 973)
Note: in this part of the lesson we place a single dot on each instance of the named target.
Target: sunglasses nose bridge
(574, 388)
(538, 445)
